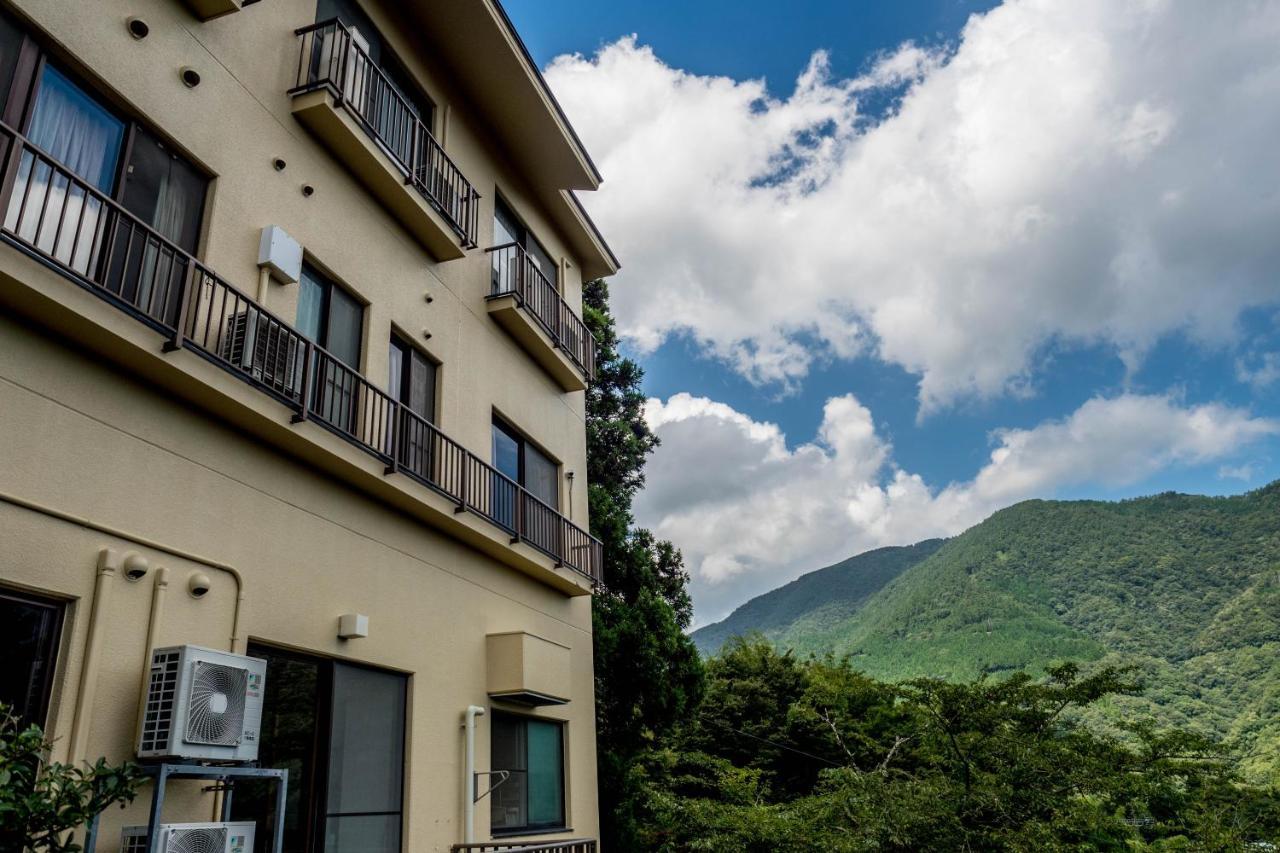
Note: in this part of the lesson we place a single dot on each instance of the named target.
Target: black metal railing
(54, 215)
(573, 845)
(330, 58)
(514, 273)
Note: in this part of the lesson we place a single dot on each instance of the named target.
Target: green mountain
(1185, 588)
(814, 602)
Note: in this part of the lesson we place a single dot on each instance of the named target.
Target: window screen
(366, 761)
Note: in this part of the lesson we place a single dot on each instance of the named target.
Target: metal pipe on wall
(105, 571)
(469, 776)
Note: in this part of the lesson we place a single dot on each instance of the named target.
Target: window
(340, 732)
(332, 318)
(107, 151)
(380, 54)
(412, 379)
(515, 457)
(532, 752)
(29, 632)
(507, 229)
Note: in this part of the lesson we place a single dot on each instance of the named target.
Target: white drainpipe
(469, 776)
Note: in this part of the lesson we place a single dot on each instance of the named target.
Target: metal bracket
(475, 786)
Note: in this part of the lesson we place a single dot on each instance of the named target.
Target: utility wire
(787, 748)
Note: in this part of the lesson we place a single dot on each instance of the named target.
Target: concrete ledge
(510, 314)
(208, 9)
(343, 135)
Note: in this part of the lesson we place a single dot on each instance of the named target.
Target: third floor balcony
(357, 111)
(530, 307)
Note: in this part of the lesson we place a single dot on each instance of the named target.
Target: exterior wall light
(353, 626)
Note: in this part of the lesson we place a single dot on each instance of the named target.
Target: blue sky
(1160, 229)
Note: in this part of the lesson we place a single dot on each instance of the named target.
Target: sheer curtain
(82, 136)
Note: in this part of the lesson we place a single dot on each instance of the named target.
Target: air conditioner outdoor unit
(191, 838)
(267, 350)
(202, 705)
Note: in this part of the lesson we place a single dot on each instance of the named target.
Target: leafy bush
(41, 802)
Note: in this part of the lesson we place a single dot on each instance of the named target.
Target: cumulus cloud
(1093, 172)
(751, 513)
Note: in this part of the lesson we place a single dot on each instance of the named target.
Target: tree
(648, 673)
(42, 803)
(991, 764)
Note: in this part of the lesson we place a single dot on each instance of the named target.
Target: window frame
(36, 52)
(525, 237)
(330, 282)
(523, 443)
(315, 797)
(50, 643)
(400, 341)
(533, 829)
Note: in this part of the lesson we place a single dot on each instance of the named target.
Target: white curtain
(85, 139)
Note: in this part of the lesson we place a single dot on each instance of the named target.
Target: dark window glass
(507, 228)
(412, 379)
(11, 38)
(532, 752)
(519, 460)
(339, 731)
(506, 451)
(164, 190)
(540, 476)
(330, 316)
(29, 632)
(353, 17)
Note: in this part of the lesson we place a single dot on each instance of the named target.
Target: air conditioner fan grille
(215, 712)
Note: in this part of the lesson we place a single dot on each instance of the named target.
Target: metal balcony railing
(329, 58)
(514, 273)
(63, 221)
(573, 845)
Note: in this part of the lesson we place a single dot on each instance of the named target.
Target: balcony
(353, 108)
(528, 306)
(59, 219)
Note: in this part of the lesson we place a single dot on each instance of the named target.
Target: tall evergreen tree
(648, 673)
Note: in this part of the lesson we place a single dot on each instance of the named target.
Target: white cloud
(1260, 370)
(751, 513)
(1098, 171)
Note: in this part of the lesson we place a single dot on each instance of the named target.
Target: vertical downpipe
(469, 776)
(108, 563)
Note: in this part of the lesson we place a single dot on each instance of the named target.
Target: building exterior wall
(108, 444)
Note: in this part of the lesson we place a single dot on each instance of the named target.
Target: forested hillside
(816, 601)
(1186, 588)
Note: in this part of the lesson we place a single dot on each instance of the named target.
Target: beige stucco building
(290, 300)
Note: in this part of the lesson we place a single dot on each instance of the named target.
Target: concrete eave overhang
(498, 77)
(208, 9)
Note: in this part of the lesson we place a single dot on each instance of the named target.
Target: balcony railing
(329, 58)
(573, 845)
(514, 273)
(60, 219)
